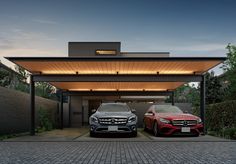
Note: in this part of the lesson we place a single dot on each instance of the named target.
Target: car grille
(184, 122)
(112, 121)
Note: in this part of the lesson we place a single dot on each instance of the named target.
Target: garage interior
(96, 72)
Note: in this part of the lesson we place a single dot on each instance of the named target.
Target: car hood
(113, 114)
(177, 116)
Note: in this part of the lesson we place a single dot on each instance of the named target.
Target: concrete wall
(15, 110)
(89, 48)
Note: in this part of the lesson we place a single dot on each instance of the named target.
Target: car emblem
(113, 120)
(185, 123)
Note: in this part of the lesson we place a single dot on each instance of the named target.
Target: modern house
(96, 72)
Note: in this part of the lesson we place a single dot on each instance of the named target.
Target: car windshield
(167, 109)
(113, 108)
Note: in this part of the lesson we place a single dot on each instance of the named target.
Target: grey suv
(113, 118)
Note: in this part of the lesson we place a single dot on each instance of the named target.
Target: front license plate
(185, 129)
(112, 128)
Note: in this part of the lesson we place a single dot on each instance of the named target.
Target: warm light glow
(130, 89)
(122, 67)
(104, 89)
(155, 89)
(79, 89)
(115, 72)
(105, 52)
(176, 72)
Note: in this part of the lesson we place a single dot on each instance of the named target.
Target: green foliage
(45, 122)
(45, 90)
(221, 116)
(24, 74)
(23, 87)
(186, 94)
(5, 79)
(214, 91)
(229, 67)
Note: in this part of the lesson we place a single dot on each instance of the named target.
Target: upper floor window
(105, 52)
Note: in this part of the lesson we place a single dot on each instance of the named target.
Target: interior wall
(76, 111)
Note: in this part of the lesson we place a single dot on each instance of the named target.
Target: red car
(170, 120)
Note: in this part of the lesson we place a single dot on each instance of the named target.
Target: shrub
(45, 123)
(221, 116)
(220, 119)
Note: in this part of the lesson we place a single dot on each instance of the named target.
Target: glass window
(113, 108)
(167, 109)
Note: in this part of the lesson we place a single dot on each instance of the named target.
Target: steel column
(32, 106)
(173, 98)
(61, 107)
(202, 102)
(69, 111)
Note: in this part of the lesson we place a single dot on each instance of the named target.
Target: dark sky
(182, 27)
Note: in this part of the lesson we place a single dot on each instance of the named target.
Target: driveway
(82, 134)
(118, 152)
(75, 146)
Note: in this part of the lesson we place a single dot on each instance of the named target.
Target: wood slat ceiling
(122, 86)
(126, 66)
(122, 67)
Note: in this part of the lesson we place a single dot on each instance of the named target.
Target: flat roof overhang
(117, 73)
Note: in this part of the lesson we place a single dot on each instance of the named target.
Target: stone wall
(15, 110)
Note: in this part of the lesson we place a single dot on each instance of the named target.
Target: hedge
(221, 116)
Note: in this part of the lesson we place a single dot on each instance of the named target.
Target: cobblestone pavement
(117, 152)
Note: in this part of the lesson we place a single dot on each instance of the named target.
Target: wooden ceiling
(122, 67)
(121, 86)
(114, 65)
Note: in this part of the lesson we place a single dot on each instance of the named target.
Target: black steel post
(202, 102)
(32, 106)
(173, 98)
(61, 107)
(69, 111)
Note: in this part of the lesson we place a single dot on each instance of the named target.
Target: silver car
(113, 118)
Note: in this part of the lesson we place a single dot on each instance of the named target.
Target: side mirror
(94, 110)
(133, 110)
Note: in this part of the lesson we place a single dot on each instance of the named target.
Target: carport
(116, 75)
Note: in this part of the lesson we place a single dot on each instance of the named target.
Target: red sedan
(170, 120)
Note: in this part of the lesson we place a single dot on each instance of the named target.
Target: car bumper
(128, 128)
(169, 129)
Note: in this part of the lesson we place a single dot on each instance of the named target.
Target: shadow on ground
(82, 134)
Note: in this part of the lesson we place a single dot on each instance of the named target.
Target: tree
(45, 90)
(24, 74)
(229, 67)
(187, 94)
(214, 93)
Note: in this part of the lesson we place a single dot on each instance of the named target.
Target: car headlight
(164, 121)
(132, 119)
(93, 119)
(199, 121)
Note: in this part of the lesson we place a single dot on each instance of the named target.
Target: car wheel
(92, 134)
(155, 129)
(134, 134)
(196, 135)
(144, 126)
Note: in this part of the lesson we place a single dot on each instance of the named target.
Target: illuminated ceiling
(121, 86)
(117, 65)
(69, 66)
